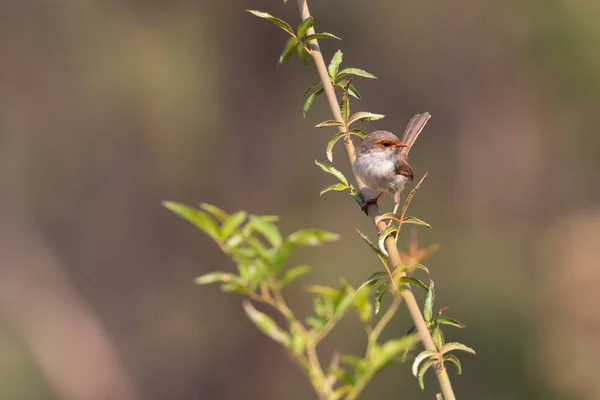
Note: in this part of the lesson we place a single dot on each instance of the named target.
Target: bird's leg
(367, 203)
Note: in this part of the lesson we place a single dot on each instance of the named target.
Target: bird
(382, 160)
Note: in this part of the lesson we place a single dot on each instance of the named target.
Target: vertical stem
(373, 210)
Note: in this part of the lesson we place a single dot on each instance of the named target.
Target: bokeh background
(109, 107)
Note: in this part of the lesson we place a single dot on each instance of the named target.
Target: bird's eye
(386, 144)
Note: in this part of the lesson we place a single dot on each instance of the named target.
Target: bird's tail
(413, 129)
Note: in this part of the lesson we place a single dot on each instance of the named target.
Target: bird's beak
(400, 144)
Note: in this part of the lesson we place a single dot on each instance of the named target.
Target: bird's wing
(413, 129)
(403, 167)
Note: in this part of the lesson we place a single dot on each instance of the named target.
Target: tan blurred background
(109, 107)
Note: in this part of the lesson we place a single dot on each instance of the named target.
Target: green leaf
(388, 216)
(438, 337)
(450, 321)
(364, 116)
(198, 218)
(338, 187)
(385, 353)
(267, 229)
(288, 49)
(305, 26)
(438, 396)
(378, 252)
(343, 300)
(320, 35)
(334, 65)
(412, 194)
(331, 143)
(310, 89)
(293, 273)
(235, 287)
(232, 223)
(267, 325)
(330, 122)
(381, 290)
(310, 100)
(452, 346)
(390, 230)
(422, 268)
(416, 221)
(427, 309)
(413, 281)
(363, 305)
(317, 323)
(355, 71)
(453, 359)
(338, 393)
(433, 354)
(215, 211)
(351, 89)
(371, 280)
(280, 23)
(359, 132)
(312, 237)
(345, 104)
(321, 290)
(331, 170)
(212, 277)
(423, 369)
(301, 50)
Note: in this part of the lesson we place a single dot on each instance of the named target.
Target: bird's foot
(367, 203)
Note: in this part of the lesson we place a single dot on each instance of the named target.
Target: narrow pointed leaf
(215, 211)
(413, 281)
(310, 100)
(427, 309)
(321, 35)
(423, 369)
(456, 346)
(438, 396)
(390, 349)
(302, 54)
(352, 91)
(330, 122)
(422, 268)
(438, 337)
(305, 26)
(213, 277)
(450, 321)
(267, 229)
(280, 23)
(355, 71)
(288, 49)
(382, 257)
(312, 237)
(334, 65)
(232, 223)
(294, 273)
(338, 187)
(331, 143)
(371, 280)
(388, 216)
(310, 89)
(453, 359)
(345, 104)
(390, 230)
(267, 325)
(331, 170)
(381, 290)
(364, 116)
(198, 218)
(359, 132)
(416, 221)
(421, 357)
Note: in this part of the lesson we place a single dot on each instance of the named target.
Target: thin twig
(372, 209)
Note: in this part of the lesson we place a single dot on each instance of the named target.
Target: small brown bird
(382, 160)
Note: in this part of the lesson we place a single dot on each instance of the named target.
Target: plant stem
(373, 210)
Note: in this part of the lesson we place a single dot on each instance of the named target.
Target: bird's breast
(378, 172)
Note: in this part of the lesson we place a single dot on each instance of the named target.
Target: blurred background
(109, 107)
